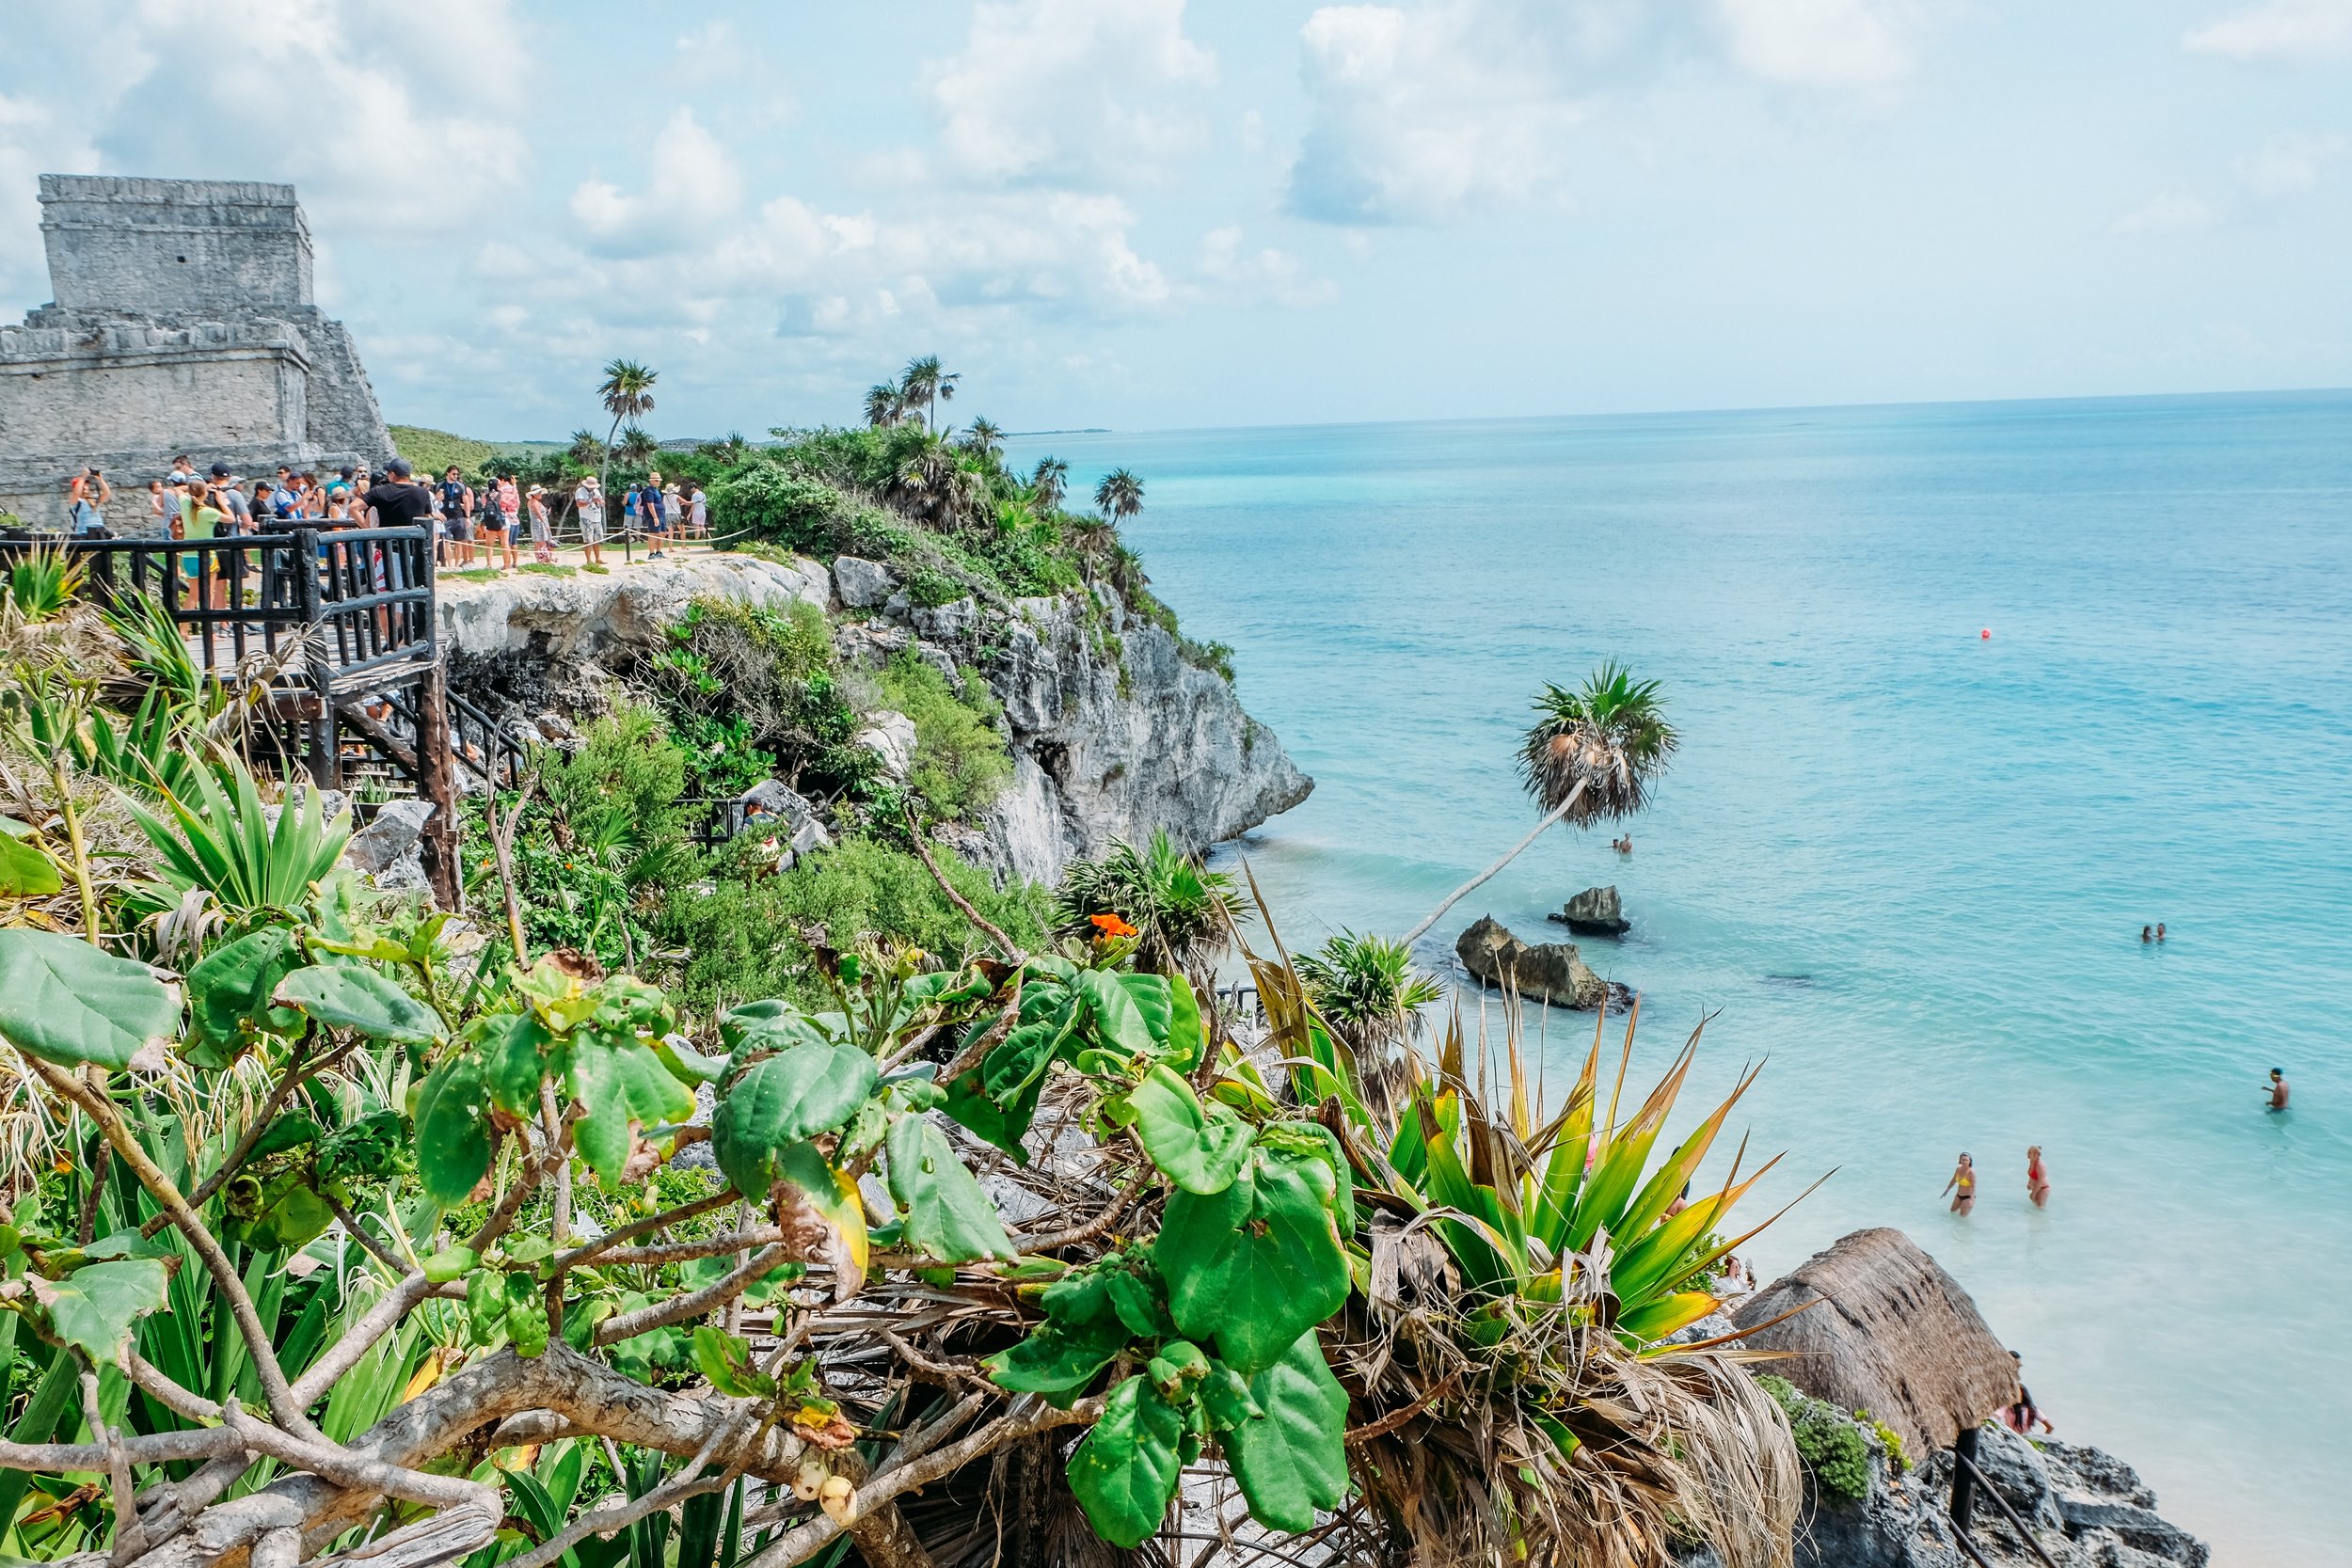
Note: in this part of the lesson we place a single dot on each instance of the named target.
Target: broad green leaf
(949, 1217)
(452, 1262)
(453, 1130)
(793, 1095)
(1201, 1151)
(94, 1306)
(1153, 1000)
(1185, 1037)
(516, 1058)
(1116, 1018)
(689, 1065)
(1291, 1458)
(24, 871)
(1253, 1275)
(726, 1360)
(1225, 1397)
(622, 1085)
(64, 1000)
(229, 993)
(1124, 1472)
(351, 996)
(1055, 1361)
(1139, 1306)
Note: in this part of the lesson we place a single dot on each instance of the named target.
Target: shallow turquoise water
(1907, 865)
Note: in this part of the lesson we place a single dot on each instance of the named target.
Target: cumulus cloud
(1426, 111)
(2260, 183)
(698, 188)
(33, 141)
(2283, 31)
(1242, 275)
(1072, 92)
(1421, 115)
(2289, 166)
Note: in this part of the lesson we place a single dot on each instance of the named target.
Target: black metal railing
(711, 819)
(1968, 1479)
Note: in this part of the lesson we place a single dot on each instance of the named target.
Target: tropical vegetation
(741, 1201)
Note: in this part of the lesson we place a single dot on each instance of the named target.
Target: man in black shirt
(399, 501)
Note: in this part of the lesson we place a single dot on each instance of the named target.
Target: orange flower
(1111, 927)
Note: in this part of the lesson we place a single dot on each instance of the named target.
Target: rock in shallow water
(1596, 911)
(1550, 971)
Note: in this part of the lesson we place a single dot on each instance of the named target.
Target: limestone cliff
(1113, 734)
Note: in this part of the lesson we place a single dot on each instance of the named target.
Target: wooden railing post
(436, 769)
(1963, 1477)
(327, 769)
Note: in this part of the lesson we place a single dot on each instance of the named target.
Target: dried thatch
(1892, 1334)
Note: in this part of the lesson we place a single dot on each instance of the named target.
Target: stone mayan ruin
(182, 322)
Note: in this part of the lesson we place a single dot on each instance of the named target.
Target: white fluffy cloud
(699, 186)
(1430, 109)
(34, 141)
(2281, 30)
(1837, 43)
(1072, 92)
(2257, 185)
(370, 155)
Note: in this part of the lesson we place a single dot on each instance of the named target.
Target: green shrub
(752, 695)
(773, 503)
(1829, 1441)
(961, 762)
(749, 934)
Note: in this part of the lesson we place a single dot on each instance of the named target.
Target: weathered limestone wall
(184, 322)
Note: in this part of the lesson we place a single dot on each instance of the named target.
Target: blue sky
(1153, 214)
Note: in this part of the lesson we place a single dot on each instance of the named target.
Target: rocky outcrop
(2083, 1509)
(1595, 913)
(1549, 972)
(1113, 734)
(574, 620)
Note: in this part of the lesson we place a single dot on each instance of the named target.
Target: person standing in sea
(2036, 1177)
(1963, 1186)
(2275, 1093)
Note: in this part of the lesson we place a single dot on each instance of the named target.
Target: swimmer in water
(2037, 1178)
(2147, 933)
(2275, 1092)
(2160, 930)
(1963, 1186)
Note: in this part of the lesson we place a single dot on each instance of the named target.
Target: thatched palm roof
(1891, 1333)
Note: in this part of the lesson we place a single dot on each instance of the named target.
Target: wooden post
(436, 775)
(327, 762)
(1963, 1477)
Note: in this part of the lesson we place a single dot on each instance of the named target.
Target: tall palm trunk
(1472, 886)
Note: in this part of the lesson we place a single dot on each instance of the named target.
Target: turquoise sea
(1906, 864)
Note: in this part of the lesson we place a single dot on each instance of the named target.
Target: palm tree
(1120, 496)
(637, 448)
(984, 437)
(1183, 911)
(1591, 755)
(1368, 988)
(927, 384)
(628, 394)
(886, 404)
(1048, 484)
(586, 451)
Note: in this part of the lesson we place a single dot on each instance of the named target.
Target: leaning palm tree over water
(1591, 755)
(628, 394)
(1120, 496)
(925, 383)
(1048, 484)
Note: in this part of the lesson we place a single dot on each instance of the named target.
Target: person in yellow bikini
(1963, 1186)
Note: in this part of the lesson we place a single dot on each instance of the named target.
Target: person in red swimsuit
(2037, 1178)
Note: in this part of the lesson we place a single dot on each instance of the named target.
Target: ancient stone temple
(182, 322)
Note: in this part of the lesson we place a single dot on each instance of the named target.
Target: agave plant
(43, 579)
(222, 840)
(1520, 1402)
(1181, 909)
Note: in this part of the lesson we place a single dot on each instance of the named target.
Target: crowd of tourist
(474, 526)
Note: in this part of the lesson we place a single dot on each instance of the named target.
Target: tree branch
(589, 1251)
(661, 1314)
(1004, 943)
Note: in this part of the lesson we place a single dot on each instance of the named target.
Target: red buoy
(1986, 635)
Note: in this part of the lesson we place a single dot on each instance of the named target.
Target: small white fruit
(811, 1479)
(839, 1498)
